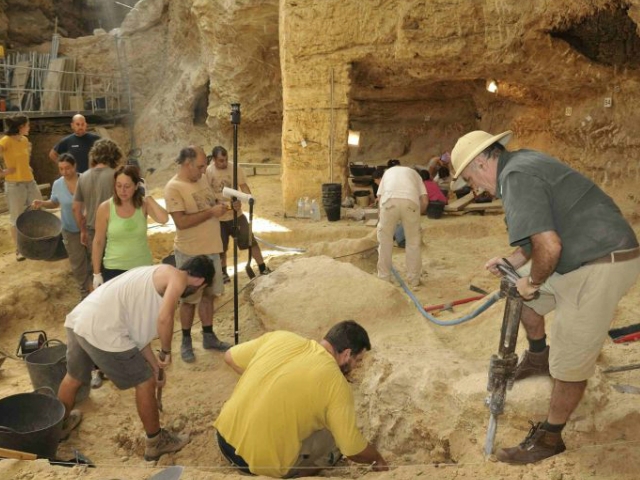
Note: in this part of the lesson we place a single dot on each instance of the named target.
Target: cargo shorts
(584, 301)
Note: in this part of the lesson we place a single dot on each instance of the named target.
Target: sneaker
(211, 342)
(186, 350)
(532, 364)
(19, 257)
(538, 445)
(226, 278)
(70, 423)
(96, 378)
(164, 442)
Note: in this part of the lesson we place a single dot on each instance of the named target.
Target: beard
(345, 369)
(190, 290)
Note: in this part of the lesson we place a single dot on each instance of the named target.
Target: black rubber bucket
(435, 209)
(331, 199)
(48, 366)
(39, 235)
(31, 422)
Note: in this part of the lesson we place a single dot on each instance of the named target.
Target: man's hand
(84, 237)
(36, 204)
(525, 289)
(491, 265)
(8, 171)
(219, 210)
(380, 466)
(164, 359)
(97, 280)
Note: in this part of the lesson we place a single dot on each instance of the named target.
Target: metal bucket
(48, 366)
(39, 235)
(31, 422)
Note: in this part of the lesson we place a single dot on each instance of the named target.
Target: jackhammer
(502, 366)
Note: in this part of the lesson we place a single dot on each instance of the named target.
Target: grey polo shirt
(540, 194)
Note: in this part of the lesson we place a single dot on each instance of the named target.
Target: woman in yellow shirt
(20, 186)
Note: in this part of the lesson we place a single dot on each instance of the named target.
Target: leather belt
(617, 256)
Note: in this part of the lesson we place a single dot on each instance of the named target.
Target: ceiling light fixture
(492, 86)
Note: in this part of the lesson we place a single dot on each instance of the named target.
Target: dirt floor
(420, 393)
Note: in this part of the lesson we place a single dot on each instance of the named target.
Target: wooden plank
(8, 453)
(51, 98)
(460, 203)
(478, 207)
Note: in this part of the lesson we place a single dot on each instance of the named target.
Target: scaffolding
(38, 84)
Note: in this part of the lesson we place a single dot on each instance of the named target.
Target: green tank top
(127, 245)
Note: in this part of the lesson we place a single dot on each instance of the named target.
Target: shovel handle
(8, 453)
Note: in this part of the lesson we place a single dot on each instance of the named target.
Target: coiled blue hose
(490, 301)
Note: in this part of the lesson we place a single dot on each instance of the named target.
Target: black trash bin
(331, 199)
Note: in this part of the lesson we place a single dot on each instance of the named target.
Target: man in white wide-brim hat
(575, 248)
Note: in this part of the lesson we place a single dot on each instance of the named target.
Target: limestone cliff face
(410, 75)
(28, 23)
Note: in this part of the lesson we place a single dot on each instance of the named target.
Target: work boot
(210, 342)
(538, 445)
(266, 271)
(70, 423)
(532, 364)
(186, 350)
(164, 442)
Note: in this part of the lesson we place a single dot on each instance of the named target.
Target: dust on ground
(420, 393)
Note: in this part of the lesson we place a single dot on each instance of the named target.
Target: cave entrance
(608, 37)
(201, 105)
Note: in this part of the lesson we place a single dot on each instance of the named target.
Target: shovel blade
(169, 473)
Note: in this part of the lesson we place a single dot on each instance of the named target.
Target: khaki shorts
(20, 195)
(217, 286)
(585, 301)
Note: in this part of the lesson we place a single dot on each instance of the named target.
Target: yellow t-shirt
(218, 179)
(291, 387)
(16, 150)
(194, 197)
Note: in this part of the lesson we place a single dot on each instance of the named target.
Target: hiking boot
(210, 342)
(538, 445)
(164, 442)
(186, 350)
(266, 271)
(70, 423)
(533, 364)
(226, 278)
(96, 378)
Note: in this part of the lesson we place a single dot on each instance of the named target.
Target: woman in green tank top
(120, 241)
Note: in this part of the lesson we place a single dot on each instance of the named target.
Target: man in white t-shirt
(113, 328)
(220, 175)
(402, 197)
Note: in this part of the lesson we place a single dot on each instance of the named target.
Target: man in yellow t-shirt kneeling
(292, 412)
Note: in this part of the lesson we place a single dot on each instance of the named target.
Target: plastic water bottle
(300, 208)
(307, 207)
(315, 211)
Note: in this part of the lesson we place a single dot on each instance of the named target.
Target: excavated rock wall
(410, 76)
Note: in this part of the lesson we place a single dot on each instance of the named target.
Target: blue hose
(490, 301)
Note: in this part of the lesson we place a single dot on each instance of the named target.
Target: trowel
(169, 473)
